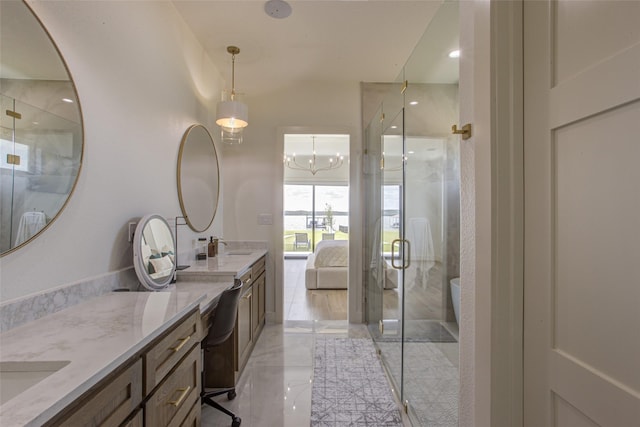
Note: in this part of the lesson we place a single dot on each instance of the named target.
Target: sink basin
(16, 377)
(239, 253)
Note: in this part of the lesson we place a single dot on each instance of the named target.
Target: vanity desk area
(129, 358)
(226, 362)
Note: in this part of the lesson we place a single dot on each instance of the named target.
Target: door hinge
(405, 405)
(14, 114)
(13, 159)
(404, 86)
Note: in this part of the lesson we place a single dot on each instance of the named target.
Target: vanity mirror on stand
(154, 252)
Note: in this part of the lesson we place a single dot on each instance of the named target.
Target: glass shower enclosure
(412, 235)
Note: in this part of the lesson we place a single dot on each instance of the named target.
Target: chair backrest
(302, 237)
(224, 316)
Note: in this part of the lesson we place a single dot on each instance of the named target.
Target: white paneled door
(582, 213)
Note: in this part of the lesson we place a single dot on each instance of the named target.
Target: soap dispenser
(212, 247)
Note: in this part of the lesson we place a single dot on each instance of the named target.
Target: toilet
(455, 297)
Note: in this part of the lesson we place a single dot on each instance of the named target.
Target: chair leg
(235, 420)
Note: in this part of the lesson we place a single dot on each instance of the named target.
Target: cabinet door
(243, 328)
(259, 286)
(255, 303)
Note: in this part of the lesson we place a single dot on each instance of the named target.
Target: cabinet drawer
(113, 403)
(136, 421)
(163, 356)
(171, 403)
(246, 278)
(194, 416)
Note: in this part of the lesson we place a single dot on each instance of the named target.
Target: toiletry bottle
(202, 248)
(212, 248)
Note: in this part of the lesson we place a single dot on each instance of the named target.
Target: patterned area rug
(350, 387)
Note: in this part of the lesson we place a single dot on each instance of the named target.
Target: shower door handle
(407, 252)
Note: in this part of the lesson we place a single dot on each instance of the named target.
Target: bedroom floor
(301, 303)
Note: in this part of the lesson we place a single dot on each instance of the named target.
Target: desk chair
(224, 320)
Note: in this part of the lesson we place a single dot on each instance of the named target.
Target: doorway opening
(316, 226)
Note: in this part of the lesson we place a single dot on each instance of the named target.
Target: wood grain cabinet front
(249, 323)
(112, 402)
(164, 355)
(171, 404)
(158, 387)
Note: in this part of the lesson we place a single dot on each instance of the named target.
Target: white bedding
(332, 253)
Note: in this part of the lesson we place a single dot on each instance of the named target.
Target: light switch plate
(265, 219)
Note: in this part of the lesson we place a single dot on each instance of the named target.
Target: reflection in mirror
(41, 137)
(198, 178)
(154, 252)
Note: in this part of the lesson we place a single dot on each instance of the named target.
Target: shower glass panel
(40, 156)
(374, 274)
(413, 323)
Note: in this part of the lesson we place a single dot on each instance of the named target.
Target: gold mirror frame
(198, 177)
(31, 35)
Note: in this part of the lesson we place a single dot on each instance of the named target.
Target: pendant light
(232, 116)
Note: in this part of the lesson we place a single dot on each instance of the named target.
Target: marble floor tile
(275, 387)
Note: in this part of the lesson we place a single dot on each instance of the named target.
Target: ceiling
(321, 41)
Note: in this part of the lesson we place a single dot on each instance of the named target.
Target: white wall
(253, 171)
(142, 79)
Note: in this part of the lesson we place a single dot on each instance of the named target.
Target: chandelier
(334, 162)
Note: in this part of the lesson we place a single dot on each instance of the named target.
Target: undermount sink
(239, 253)
(16, 377)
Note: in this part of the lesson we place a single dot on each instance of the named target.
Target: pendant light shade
(232, 116)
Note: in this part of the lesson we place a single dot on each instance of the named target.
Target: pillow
(160, 264)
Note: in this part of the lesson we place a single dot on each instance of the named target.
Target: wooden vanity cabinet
(226, 362)
(110, 402)
(158, 387)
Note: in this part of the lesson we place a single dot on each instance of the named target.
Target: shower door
(384, 225)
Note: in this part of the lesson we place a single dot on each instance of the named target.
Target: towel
(30, 224)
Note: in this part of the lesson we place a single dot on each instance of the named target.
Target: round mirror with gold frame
(198, 178)
(41, 131)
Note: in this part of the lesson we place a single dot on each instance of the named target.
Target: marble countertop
(232, 262)
(95, 337)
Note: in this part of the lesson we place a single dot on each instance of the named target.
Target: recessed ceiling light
(454, 54)
(413, 103)
(278, 9)
(394, 127)
(67, 100)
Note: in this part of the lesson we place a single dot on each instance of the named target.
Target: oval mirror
(41, 135)
(154, 252)
(198, 178)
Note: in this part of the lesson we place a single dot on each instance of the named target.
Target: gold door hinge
(13, 159)
(465, 131)
(404, 86)
(14, 114)
(381, 117)
(405, 405)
